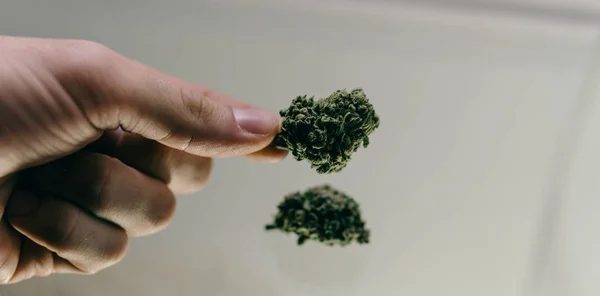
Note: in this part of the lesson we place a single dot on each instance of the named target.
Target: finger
(31, 260)
(113, 91)
(9, 239)
(37, 261)
(157, 157)
(20, 258)
(108, 189)
(87, 242)
(10, 246)
(181, 171)
(268, 155)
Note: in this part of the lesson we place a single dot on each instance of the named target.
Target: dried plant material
(321, 214)
(326, 132)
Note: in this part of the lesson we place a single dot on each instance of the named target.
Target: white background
(482, 179)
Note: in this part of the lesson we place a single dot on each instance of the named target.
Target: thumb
(176, 113)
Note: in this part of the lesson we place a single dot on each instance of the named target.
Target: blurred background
(482, 180)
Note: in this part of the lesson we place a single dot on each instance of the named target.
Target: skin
(93, 148)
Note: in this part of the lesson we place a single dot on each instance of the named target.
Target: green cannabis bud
(321, 214)
(326, 132)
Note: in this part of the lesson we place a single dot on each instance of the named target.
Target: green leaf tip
(323, 214)
(326, 132)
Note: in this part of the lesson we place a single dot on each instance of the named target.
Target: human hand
(93, 147)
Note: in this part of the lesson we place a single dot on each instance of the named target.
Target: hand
(93, 147)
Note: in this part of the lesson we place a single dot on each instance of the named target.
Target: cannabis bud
(327, 131)
(322, 214)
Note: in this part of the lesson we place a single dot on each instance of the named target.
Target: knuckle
(7, 262)
(196, 105)
(161, 211)
(117, 250)
(202, 176)
(85, 63)
(89, 73)
(191, 180)
(150, 214)
(65, 218)
(158, 160)
(205, 175)
(91, 55)
(111, 252)
(98, 201)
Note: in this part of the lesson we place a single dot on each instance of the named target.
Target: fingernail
(256, 121)
(21, 203)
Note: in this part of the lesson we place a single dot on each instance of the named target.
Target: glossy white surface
(488, 122)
